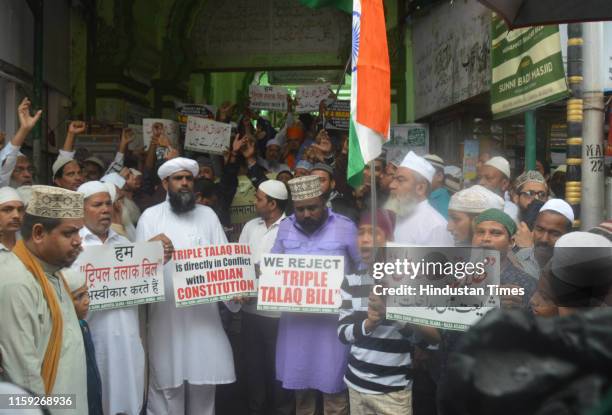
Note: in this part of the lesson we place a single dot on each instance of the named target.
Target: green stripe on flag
(344, 5)
(354, 172)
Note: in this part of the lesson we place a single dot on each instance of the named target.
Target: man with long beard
(188, 348)
(418, 222)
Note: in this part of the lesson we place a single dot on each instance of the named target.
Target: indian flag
(370, 87)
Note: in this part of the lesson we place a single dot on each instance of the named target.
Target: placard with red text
(300, 283)
(207, 274)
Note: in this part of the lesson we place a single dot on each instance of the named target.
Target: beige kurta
(25, 327)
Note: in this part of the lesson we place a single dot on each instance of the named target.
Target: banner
(426, 296)
(171, 129)
(207, 136)
(309, 97)
(123, 275)
(207, 274)
(300, 283)
(273, 98)
(527, 68)
(337, 115)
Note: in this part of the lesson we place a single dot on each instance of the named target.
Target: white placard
(207, 136)
(123, 275)
(273, 98)
(300, 283)
(309, 97)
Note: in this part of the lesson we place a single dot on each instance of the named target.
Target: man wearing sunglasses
(529, 186)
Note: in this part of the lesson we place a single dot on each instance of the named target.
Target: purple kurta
(308, 352)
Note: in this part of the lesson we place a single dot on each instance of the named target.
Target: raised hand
(77, 127)
(26, 120)
(248, 150)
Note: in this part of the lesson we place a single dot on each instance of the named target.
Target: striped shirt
(379, 362)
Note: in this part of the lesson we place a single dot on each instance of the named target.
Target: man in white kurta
(188, 347)
(115, 333)
(418, 223)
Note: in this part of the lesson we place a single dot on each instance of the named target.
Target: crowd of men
(160, 359)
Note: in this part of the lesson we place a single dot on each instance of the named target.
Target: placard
(300, 283)
(273, 98)
(138, 141)
(309, 97)
(471, 150)
(123, 275)
(207, 136)
(171, 129)
(207, 274)
(337, 115)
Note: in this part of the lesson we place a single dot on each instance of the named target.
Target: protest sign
(471, 150)
(123, 275)
(309, 97)
(300, 283)
(138, 141)
(337, 115)
(171, 130)
(452, 287)
(206, 274)
(273, 98)
(194, 110)
(207, 136)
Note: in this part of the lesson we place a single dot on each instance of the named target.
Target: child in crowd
(77, 285)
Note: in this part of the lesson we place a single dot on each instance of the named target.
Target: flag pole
(373, 205)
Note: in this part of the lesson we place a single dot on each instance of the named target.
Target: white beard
(401, 207)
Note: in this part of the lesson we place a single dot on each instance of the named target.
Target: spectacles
(531, 193)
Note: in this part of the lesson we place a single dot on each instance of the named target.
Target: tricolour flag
(370, 87)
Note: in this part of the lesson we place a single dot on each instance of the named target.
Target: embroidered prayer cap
(500, 164)
(453, 177)
(435, 160)
(55, 202)
(59, 163)
(419, 165)
(475, 199)
(178, 164)
(499, 216)
(114, 178)
(275, 189)
(91, 188)
(323, 167)
(560, 206)
(74, 279)
(529, 176)
(8, 194)
(96, 161)
(305, 187)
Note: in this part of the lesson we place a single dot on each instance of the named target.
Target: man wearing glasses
(529, 186)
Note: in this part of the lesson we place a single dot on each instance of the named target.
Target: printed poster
(212, 273)
(300, 283)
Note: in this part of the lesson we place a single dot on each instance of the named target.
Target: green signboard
(527, 68)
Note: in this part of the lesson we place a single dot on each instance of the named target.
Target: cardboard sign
(171, 129)
(309, 97)
(300, 283)
(123, 275)
(207, 274)
(273, 98)
(337, 115)
(207, 136)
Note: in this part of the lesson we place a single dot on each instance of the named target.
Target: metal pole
(37, 99)
(373, 206)
(530, 140)
(573, 176)
(609, 198)
(593, 149)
